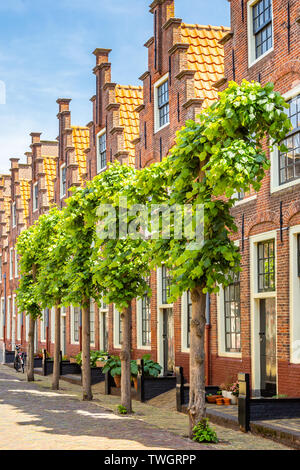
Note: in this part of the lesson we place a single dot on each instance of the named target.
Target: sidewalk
(161, 418)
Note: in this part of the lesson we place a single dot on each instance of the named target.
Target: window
(232, 316)
(101, 158)
(26, 326)
(266, 266)
(2, 312)
(63, 181)
(163, 103)
(8, 318)
(16, 264)
(11, 263)
(14, 214)
(35, 196)
(103, 326)
(44, 322)
(289, 162)
(118, 331)
(75, 324)
(0, 268)
(166, 281)
(53, 325)
(262, 27)
(146, 323)
(189, 317)
(92, 322)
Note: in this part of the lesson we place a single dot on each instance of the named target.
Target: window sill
(156, 130)
(264, 295)
(243, 201)
(275, 189)
(101, 170)
(250, 64)
(230, 355)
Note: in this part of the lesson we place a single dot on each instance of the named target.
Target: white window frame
(8, 318)
(35, 197)
(275, 186)
(52, 322)
(16, 264)
(255, 297)
(102, 312)
(72, 326)
(117, 344)
(251, 36)
(184, 320)
(92, 315)
(139, 326)
(221, 324)
(160, 311)
(63, 192)
(11, 263)
(100, 134)
(42, 327)
(26, 327)
(14, 214)
(19, 324)
(157, 84)
(1, 258)
(294, 297)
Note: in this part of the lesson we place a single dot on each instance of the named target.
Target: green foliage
(94, 357)
(213, 159)
(122, 410)
(151, 368)
(202, 432)
(113, 365)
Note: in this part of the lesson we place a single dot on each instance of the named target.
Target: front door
(268, 347)
(168, 342)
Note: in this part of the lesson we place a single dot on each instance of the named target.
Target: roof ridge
(131, 87)
(79, 127)
(203, 26)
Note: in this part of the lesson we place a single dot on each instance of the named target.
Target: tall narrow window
(146, 323)
(76, 313)
(14, 214)
(189, 317)
(101, 158)
(166, 281)
(262, 27)
(16, 264)
(63, 181)
(266, 266)
(11, 263)
(163, 103)
(35, 201)
(120, 329)
(289, 162)
(298, 253)
(232, 316)
(92, 322)
(0, 268)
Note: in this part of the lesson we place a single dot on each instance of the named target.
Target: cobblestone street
(33, 417)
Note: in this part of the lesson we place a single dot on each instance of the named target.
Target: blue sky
(46, 53)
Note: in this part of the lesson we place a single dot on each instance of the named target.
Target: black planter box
(97, 375)
(38, 362)
(154, 386)
(9, 357)
(69, 368)
(48, 367)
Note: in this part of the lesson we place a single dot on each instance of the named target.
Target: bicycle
(19, 362)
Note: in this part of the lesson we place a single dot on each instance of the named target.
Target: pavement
(43, 419)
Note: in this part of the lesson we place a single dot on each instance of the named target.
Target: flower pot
(220, 401)
(212, 398)
(73, 360)
(227, 401)
(100, 363)
(135, 382)
(234, 399)
(117, 379)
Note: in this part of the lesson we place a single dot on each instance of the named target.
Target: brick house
(255, 323)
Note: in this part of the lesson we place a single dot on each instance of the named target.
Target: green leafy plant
(113, 365)
(202, 432)
(94, 357)
(122, 410)
(151, 368)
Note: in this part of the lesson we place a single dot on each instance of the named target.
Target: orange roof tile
(50, 172)
(129, 98)
(206, 56)
(25, 197)
(81, 141)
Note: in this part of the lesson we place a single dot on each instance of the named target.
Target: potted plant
(101, 358)
(212, 398)
(134, 373)
(234, 391)
(73, 360)
(113, 366)
(151, 368)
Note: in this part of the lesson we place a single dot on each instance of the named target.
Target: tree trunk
(86, 366)
(30, 350)
(56, 364)
(125, 360)
(197, 408)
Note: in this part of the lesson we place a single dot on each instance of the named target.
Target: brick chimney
(103, 77)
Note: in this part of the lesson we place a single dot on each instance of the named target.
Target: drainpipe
(207, 342)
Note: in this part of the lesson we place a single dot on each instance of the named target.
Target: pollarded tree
(30, 248)
(120, 264)
(52, 285)
(212, 160)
